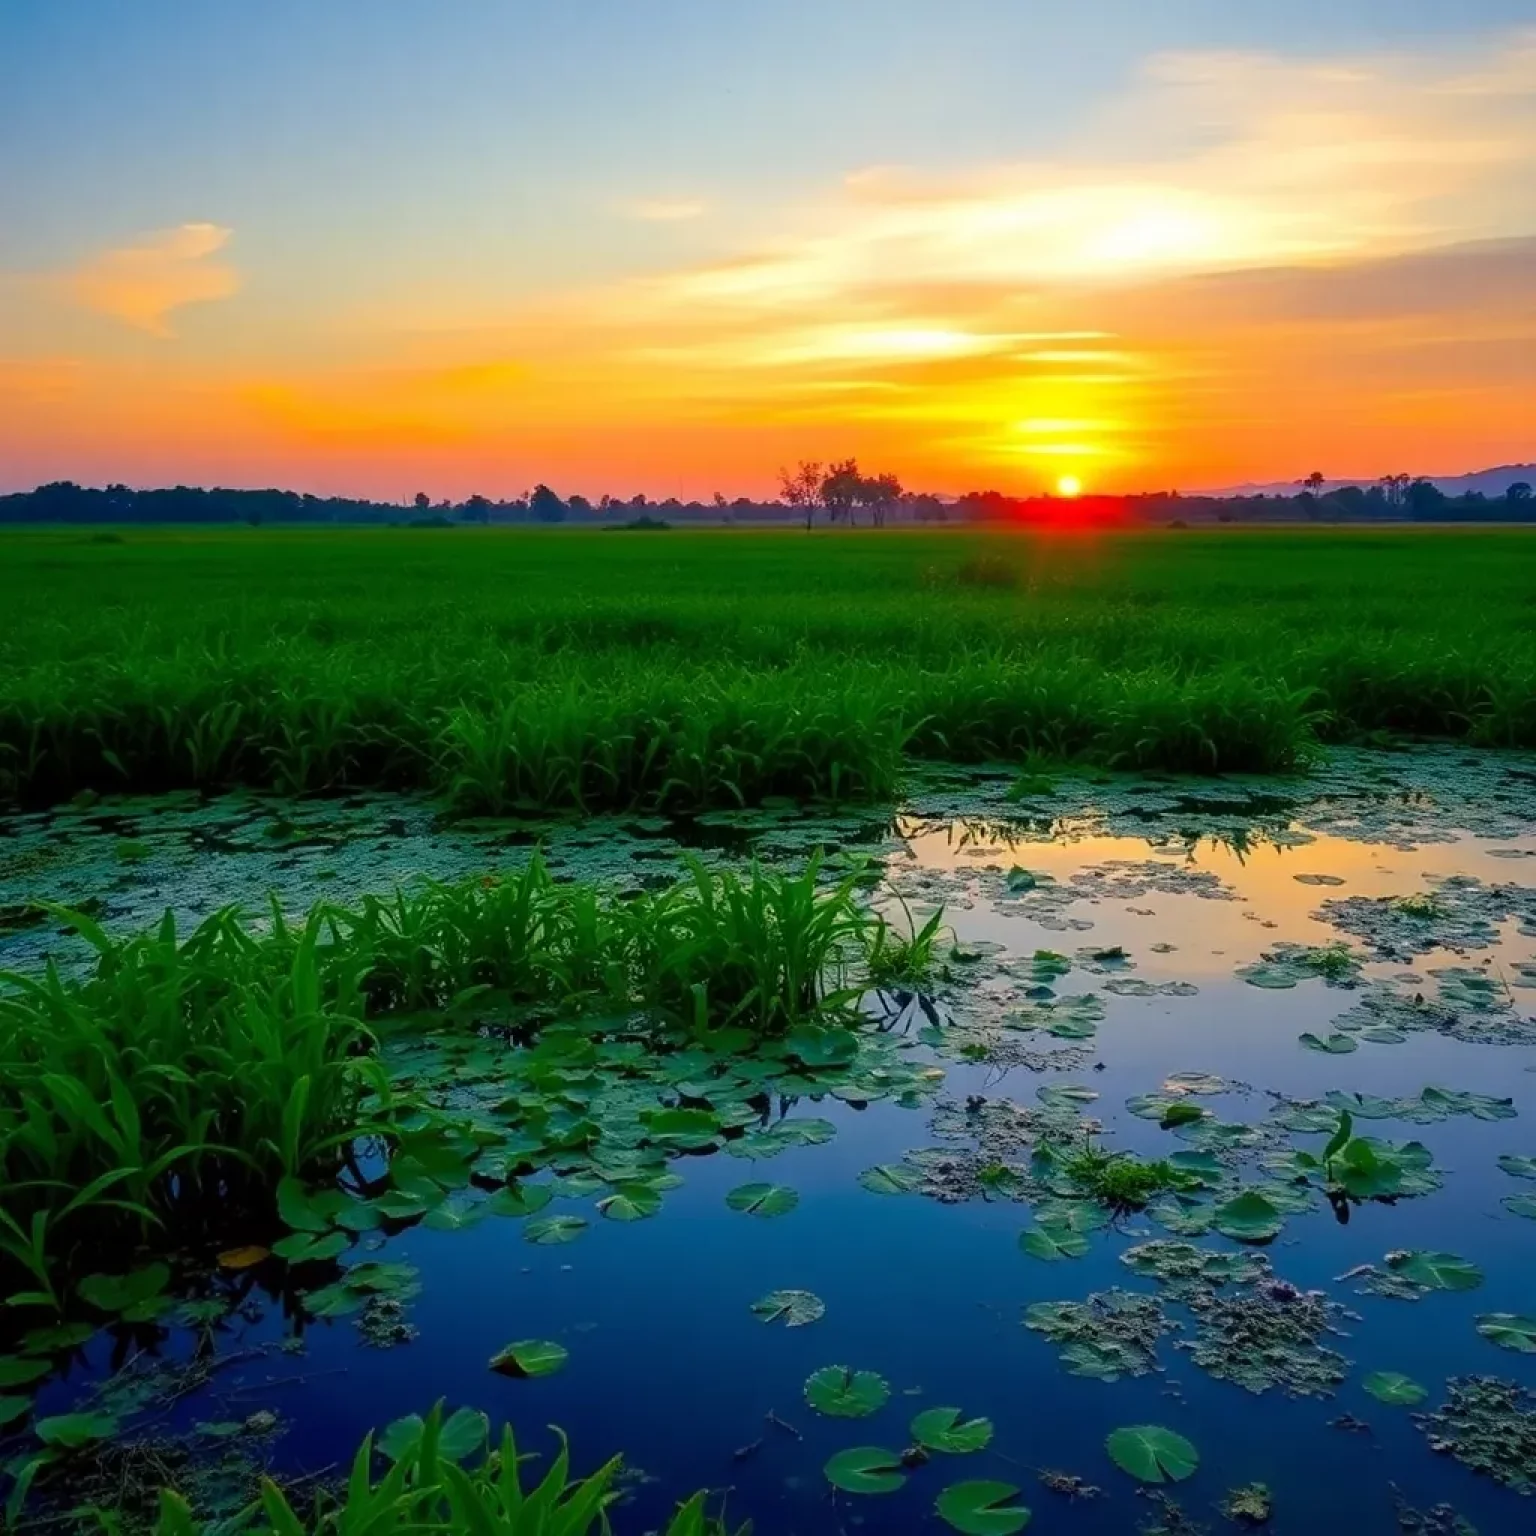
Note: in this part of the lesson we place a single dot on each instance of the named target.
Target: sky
(373, 247)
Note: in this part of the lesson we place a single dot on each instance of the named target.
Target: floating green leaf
(844, 1394)
(763, 1199)
(866, 1469)
(70, 1431)
(1333, 1045)
(1520, 1205)
(1053, 1243)
(530, 1357)
(13, 1409)
(1249, 1218)
(520, 1200)
(942, 1429)
(1393, 1388)
(137, 1292)
(1152, 1454)
(793, 1308)
(1509, 1331)
(16, 1372)
(890, 1179)
(982, 1508)
(630, 1202)
(546, 1230)
(1518, 1167)
(308, 1248)
(1436, 1271)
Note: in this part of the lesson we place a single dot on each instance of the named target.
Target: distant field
(683, 669)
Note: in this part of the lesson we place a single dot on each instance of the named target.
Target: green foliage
(1118, 1179)
(190, 1079)
(982, 1508)
(1152, 1454)
(442, 1477)
(844, 1394)
(720, 668)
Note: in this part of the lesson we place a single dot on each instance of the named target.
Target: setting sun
(1069, 485)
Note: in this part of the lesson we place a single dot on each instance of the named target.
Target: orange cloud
(141, 284)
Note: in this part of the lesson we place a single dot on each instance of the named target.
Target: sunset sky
(376, 246)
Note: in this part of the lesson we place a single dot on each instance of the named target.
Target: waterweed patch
(1488, 1425)
(1264, 1335)
(1109, 1335)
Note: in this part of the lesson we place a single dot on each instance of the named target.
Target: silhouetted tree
(478, 509)
(880, 493)
(842, 489)
(423, 502)
(800, 488)
(1519, 492)
(545, 505)
(1314, 482)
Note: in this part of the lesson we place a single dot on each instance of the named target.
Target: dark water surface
(667, 1362)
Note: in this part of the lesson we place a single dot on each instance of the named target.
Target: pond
(1222, 980)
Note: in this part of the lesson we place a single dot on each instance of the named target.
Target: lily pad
(1395, 1389)
(1249, 1218)
(16, 1372)
(844, 1394)
(1152, 1454)
(795, 1309)
(1053, 1243)
(1518, 1167)
(548, 1230)
(1435, 1271)
(1509, 1331)
(1520, 1205)
(763, 1200)
(518, 1200)
(942, 1429)
(630, 1202)
(982, 1508)
(13, 1409)
(1333, 1045)
(136, 1295)
(70, 1431)
(866, 1469)
(530, 1357)
(890, 1179)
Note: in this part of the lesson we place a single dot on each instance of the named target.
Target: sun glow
(1069, 486)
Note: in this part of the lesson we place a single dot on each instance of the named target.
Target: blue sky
(364, 169)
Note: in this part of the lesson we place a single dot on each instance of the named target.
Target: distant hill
(1487, 482)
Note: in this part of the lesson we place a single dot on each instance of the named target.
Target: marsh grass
(512, 672)
(162, 1100)
(435, 1481)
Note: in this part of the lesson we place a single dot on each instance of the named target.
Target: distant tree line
(835, 493)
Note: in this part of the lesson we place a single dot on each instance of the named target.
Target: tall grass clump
(433, 1483)
(163, 1098)
(178, 1083)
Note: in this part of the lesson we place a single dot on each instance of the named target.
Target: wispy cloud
(141, 284)
(662, 210)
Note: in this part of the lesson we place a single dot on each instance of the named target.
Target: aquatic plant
(444, 1475)
(175, 1090)
(1118, 1179)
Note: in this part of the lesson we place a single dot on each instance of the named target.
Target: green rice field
(677, 670)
